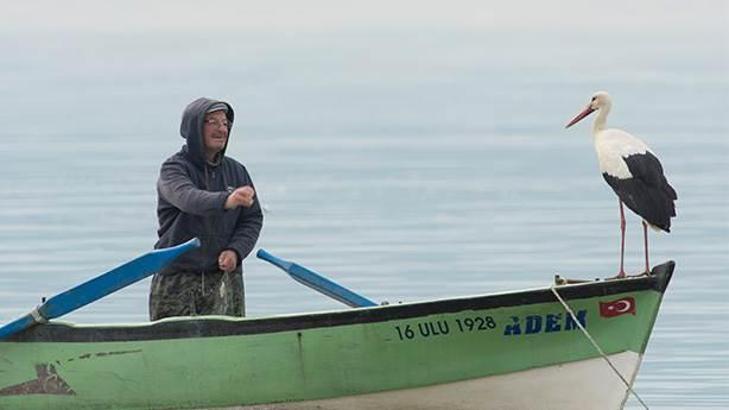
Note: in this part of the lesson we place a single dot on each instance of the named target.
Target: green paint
(320, 362)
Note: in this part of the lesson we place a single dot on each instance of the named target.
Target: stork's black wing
(647, 192)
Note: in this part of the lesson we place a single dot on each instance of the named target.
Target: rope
(597, 347)
(38, 316)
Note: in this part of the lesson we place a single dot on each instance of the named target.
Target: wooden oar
(317, 282)
(98, 287)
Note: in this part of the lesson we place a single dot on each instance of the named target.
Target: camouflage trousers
(196, 294)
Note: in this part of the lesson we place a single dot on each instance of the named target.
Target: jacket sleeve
(177, 188)
(247, 229)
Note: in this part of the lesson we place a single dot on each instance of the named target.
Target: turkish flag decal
(617, 307)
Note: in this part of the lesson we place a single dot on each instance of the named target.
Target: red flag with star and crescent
(617, 307)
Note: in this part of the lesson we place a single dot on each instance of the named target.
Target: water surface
(407, 165)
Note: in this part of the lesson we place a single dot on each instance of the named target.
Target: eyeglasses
(217, 123)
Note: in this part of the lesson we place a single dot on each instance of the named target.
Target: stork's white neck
(601, 120)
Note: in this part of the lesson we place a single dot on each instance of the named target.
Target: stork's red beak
(587, 111)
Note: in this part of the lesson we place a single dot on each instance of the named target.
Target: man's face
(215, 132)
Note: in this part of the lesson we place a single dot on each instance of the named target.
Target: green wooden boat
(514, 350)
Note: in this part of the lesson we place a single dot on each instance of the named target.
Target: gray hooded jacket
(191, 195)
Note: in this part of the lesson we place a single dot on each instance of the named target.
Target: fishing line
(594, 343)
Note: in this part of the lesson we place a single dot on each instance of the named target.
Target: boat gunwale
(218, 326)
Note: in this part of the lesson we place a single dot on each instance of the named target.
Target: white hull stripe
(577, 385)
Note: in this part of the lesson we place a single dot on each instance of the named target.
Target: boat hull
(512, 350)
(560, 387)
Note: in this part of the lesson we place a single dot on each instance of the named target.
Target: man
(203, 193)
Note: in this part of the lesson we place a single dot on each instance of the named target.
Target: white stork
(633, 172)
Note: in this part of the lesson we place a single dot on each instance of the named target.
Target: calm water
(407, 166)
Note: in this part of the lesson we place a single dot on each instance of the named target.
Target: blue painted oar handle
(317, 282)
(98, 287)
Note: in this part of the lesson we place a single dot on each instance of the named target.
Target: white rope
(594, 343)
(37, 316)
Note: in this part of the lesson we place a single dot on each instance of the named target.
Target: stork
(633, 172)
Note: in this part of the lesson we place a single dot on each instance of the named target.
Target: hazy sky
(616, 15)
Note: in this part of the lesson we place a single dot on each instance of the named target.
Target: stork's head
(600, 100)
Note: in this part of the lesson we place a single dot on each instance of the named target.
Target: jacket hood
(191, 128)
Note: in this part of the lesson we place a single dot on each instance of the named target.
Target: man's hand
(227, 260)
(242, 196)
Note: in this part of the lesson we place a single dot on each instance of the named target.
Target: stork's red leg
(645, 246)
(621, 274)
